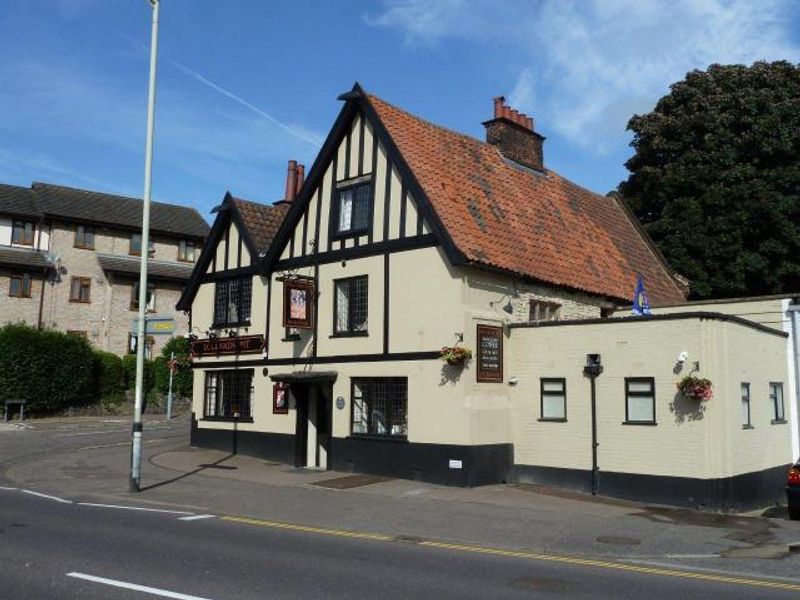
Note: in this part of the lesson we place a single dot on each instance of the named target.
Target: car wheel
(794, 514)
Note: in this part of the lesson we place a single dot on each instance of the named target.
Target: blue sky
(245, 85)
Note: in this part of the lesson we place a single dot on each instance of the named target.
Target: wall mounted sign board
(490, 354)
(246, 344)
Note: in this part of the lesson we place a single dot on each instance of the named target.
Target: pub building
(425, 305)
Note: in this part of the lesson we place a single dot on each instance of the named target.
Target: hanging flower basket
(456, 355)
(696, 388)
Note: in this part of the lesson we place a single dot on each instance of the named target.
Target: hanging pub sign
(280, 398)
(490, 354)
(298, 303)
(246, 344)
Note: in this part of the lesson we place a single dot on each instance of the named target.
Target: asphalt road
(183, 541)
(52, 550)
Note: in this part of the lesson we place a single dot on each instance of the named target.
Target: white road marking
(141, 508)
(196, 517)
(128, 443)
(106, 431)
(135, 587)
(8, 489)
(56, 498)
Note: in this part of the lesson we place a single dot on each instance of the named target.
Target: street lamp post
(136, 444)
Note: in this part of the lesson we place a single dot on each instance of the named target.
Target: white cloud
(593, 63)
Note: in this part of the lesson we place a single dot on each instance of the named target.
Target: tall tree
(715, 178)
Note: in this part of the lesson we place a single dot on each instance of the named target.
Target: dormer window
(22, 233)
(352, 209)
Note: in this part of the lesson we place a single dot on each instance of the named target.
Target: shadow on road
(215, 465)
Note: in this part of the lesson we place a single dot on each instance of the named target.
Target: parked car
(793, 491)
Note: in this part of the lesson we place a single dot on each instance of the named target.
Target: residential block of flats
(69, 260)
(431, 306)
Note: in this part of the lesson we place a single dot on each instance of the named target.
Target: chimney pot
(301, 177)
(498, 106)
(291, 181)
(512, 133)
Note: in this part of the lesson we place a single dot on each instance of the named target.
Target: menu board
(490, 354)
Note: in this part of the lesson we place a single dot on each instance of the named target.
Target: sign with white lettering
(490, 354)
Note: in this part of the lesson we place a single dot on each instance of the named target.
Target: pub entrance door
(314, 424)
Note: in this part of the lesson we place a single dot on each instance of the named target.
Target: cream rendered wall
(773, 312)
(690, 439)
(5, 231)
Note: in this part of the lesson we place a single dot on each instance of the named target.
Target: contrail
(293, 131)
(299, 134)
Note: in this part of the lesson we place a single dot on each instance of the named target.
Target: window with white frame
(640, 400)
(746, 423)
(553, 399)
(776, 400)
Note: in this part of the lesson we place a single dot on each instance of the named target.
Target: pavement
(87, 461)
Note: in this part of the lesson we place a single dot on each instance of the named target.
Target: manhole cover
(618, 540)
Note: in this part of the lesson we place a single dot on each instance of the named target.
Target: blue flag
(641, 303)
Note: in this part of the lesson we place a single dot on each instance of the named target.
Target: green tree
(182, 380)
(715, 178)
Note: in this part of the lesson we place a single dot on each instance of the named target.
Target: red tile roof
(540, 225)
(261, 220)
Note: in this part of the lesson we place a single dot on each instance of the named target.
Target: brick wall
(516, 142)
(107, 317)
(19, 310)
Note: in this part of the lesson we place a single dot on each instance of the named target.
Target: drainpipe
(794, 310)
(592, 370)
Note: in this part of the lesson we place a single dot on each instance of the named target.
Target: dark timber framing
(356, 101)
(227, 213)
(321, 360)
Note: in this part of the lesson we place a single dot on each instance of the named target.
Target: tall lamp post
(136, 445)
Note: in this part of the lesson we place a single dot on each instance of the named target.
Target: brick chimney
(295, 177)
(512, 132)
(291, 181)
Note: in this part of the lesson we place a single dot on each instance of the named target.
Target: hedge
(48, 369)
(53, 371)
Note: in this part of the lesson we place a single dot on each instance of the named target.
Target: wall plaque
(490, 354)
(246, 344)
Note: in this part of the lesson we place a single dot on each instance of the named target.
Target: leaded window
(228, 394)
(232, 298)
(350, 306)
(380, 406)
(353, 208)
